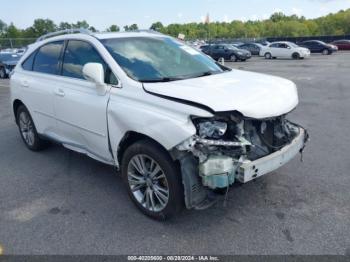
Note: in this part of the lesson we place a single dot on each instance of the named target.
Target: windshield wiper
(207, 73)
(162, 79)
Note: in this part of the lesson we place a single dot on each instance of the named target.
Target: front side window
(77, 54)
(155, 59)
(47, 57)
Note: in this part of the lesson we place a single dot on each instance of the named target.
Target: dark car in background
(228, 52)
(316, 46)
(253, 48)
(342, 44)
(8, 61)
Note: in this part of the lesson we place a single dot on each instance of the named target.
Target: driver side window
(77, 54)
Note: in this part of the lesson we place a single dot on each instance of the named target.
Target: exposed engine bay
(229, 147)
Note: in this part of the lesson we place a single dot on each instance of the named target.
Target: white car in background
(178, 125)
(284, 50)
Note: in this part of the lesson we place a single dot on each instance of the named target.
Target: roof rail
(63, 32)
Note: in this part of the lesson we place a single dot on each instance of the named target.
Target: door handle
(24, 83)
(59, 92)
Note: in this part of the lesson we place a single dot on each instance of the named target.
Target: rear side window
(77, 54)
(28, 63)
(47, 58)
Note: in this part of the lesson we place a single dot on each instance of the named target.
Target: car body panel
(254, 95)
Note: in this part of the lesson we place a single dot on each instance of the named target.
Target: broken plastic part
(212, 129)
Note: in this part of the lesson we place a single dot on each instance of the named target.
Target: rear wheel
(28, 131)
(152, 179)
(2, 73)
(268, 56)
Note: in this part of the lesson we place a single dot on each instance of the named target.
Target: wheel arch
(130, 138)
(16, 104)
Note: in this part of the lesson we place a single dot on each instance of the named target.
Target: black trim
(182, 101)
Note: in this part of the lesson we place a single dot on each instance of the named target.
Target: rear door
(38, 80)
(80, 107)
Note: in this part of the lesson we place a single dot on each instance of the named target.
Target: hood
(252, 94)
(304, 49)
(10, 63)
(246, 52)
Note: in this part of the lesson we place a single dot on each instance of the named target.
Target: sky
(103, 13)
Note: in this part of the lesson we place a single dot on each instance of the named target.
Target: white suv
(179, 126)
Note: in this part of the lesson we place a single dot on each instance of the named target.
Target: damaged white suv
(176, 124)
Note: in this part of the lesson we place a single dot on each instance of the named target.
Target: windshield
(293, 45)
(232, 47)
(9, 57)
(155, 59)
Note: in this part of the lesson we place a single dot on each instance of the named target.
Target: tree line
(278, 25)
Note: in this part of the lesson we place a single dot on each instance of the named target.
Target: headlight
(240, 53)
(211, 129)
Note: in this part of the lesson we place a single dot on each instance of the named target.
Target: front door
(81, 109)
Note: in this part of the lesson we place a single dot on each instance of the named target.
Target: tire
(28, 131)
(152, 179)
(2, 73)
(268, 56)
(296, 56)
(325, 52)
(233, 58)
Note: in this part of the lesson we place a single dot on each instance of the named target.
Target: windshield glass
(153, 59)
(292, 44)
(232, 47)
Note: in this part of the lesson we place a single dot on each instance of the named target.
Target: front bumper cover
(250, 170)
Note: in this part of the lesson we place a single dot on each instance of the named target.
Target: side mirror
(94, 72)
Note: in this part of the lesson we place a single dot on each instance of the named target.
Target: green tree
(132, 27)
(42, 26)
(64, 26)
(157, 26)
(113, 28)
(3, 27)
(81, 24)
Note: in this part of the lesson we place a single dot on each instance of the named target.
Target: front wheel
(233, 58)
(152, 179)
(296, 56)
(268, 56)
(325, 52)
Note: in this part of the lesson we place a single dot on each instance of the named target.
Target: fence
(15, 42)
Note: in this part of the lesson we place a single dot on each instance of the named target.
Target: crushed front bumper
(250, 170)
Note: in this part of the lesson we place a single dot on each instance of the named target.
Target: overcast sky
(102, 13)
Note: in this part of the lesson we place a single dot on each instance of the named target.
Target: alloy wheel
(27, 128)
(148, 183)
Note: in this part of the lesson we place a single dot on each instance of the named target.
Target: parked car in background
(342, 44)
(237, 43)
(253, 48)
(176, 124)
(8, 61)
(316, 46)
(284, 50)
(263, 42)
(228, 52)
